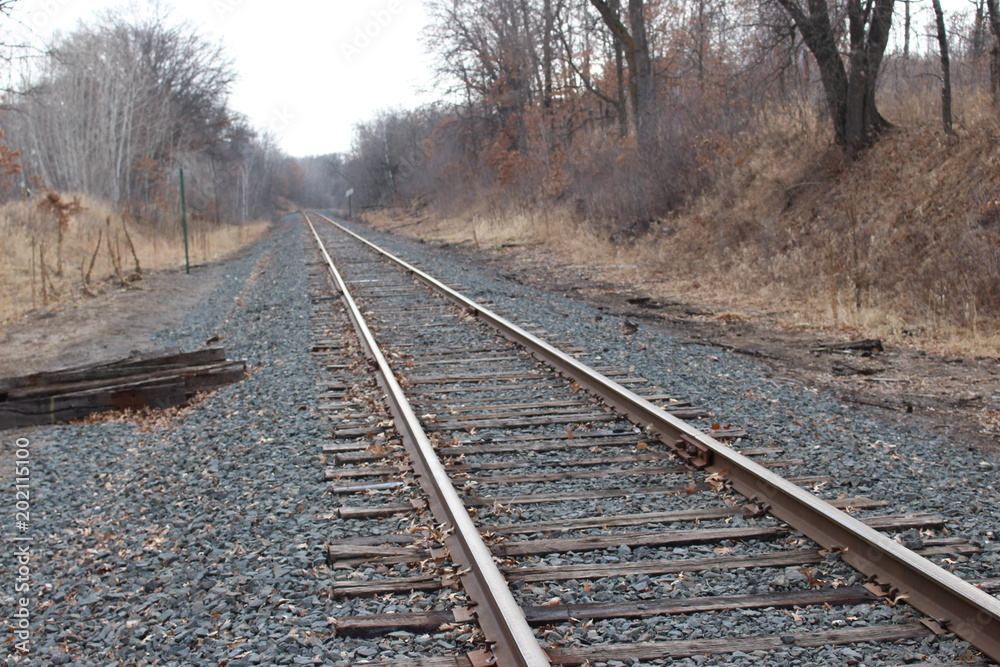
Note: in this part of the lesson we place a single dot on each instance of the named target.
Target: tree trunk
(906, 29)
(548, 21)
(645, 91)
(994, 15)
(850, 93)
(642, 90)
(978, 47)
(622, 106)
(942, 36)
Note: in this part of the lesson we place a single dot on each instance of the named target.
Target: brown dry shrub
(904, 238)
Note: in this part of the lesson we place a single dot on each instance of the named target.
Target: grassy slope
(903, 243)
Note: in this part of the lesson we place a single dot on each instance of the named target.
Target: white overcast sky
(308, 70)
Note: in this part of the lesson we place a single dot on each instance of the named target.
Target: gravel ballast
(913, 468)
(193, 539)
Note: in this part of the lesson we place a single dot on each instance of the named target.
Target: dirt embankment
(107, 327)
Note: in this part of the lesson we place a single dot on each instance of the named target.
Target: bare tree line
(616, 105)
(116, 107)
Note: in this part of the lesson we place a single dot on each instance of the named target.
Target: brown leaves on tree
(64, 212)
(10, 164)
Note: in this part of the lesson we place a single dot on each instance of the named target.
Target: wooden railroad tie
(159, 379)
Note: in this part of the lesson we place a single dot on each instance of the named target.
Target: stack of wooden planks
(160, 379)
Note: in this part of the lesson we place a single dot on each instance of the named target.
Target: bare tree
(849, 86)
(906, 27)
(119, 104)
(642, 88)
(977, 46)
(942, 38)
(490, 49)
(389, 155)
(993, 11)
(6, 6)
(586, 48)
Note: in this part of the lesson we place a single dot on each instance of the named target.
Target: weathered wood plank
(499, 420)
(864, 345)
(345, 551)
(678, 538)
(547, 419)
(707, 514)
(560, 465)
(195, 378)
(506, 412)
(557, 400)
(376, 540)
(468, 361)
(135, 365)
(596, 571)
(356, 429)
(574, 474)
(494, 411)
(352, 446)
(386, 549)
(704, 646)
(447, 661)
(453, 378)
(718, 434)
(56, 409)
(362, 488)
(332, 474)
(373, 625)
(374, 512)
(770, 559)
(135, 382)
(548, 445)
(589, 494)
(560, 400)
(530, 499)
(646, 539)
(400, 585)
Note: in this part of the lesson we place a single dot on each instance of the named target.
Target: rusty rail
(951, 602)
(503, 622)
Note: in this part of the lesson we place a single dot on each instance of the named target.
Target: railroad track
(499, 502)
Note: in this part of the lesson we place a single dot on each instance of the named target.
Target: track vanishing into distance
(496, 501)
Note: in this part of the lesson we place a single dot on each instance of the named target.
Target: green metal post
(184, 222)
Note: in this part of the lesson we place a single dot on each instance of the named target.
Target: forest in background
(116, 107)
(836, 160)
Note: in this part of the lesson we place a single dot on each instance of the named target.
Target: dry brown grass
(28, 230)
(483, 228)
(903, 243)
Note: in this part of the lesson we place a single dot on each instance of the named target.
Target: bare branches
(117, 105)
(850, 86)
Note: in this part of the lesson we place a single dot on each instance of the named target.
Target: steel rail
(956, 605)
(504, 624)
